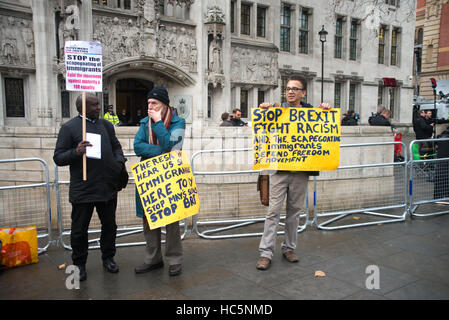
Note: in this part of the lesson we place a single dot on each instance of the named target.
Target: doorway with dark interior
(131, 96)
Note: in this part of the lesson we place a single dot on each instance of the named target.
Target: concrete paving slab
(412, 256)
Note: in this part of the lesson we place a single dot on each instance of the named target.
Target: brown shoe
(263, 263)
(290, 256)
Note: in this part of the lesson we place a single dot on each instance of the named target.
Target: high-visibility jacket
(112, 118)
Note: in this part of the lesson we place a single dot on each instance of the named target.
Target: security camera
(410, 78)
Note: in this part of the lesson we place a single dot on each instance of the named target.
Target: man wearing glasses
(292, 184)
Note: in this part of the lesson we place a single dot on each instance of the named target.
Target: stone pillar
(44, 104)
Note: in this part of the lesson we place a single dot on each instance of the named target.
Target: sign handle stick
(84, 135)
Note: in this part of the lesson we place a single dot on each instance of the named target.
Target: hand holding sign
(298, 139)
(167, 188)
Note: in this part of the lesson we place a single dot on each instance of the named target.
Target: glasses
(295, 89)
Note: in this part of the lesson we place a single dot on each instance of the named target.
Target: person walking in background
(237, 118)
(111, 116)
(423, 128)
(382, 119)
(104, 180)
(124, 118)
(162, 131)
(226, 120)
(139, 116)
(349, 119)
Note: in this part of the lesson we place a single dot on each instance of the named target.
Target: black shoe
(110, 265)
(83, 273)
(148, 267)
(174, 270)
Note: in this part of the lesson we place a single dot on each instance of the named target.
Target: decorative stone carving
(215, 22)
(120, 38)
(254, 66)
(68, 27)
(123, 38)
(178, 45)
(433, 7)
(16, 42)
(215, 15)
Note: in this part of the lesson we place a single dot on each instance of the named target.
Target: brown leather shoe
(263, 263)
(290, 256)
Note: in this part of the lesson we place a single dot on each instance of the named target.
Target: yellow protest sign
(296, 139)
(167, 188)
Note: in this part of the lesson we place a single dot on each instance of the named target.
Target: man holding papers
(105, 170)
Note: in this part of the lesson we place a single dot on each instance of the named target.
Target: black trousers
(81, 215)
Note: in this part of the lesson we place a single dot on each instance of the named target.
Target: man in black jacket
(102, 184)
(423, 129)
(236, 119)
(382, 119)
(349, 119)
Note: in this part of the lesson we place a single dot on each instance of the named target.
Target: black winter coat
(380, 120)
(423, 129)
(103, 175)
(348, 121)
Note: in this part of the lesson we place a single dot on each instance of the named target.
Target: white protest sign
(84, 66)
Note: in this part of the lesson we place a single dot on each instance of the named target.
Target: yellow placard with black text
(296, 139)
(167, 188)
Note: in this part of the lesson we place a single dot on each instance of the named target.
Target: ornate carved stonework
(215, 22)
(215, 15)
(17, 42)
(120, 38)
(178, 45)
(254, 66)
(142, 36)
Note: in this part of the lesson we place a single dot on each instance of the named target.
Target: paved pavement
(412, 258)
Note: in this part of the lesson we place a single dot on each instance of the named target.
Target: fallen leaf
(319, 273)
(356, 218)
(62, 266)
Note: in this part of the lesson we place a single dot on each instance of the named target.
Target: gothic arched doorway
(131, 95)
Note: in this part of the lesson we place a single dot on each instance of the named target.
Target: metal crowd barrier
(21, 205)
(230, 200)
(429, 176)
(127, 221)
(363, 189)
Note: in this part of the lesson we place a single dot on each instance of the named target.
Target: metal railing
(127, 222)
(364, 189)
(229, 199)
(429, 177)
(21, 205)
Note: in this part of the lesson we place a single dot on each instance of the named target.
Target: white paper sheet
(93, 152)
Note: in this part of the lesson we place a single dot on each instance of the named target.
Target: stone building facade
(212, 55)
(432, 35)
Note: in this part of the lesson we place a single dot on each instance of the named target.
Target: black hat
(110, 106)
(159, 93)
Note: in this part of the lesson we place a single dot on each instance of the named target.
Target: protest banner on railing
(296, 139)
(167, 188)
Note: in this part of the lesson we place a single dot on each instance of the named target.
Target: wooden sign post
(84, 72)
